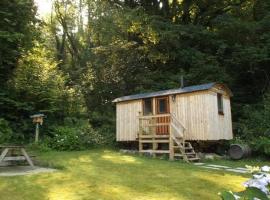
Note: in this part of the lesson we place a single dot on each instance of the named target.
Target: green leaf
(251, 192)
(227, 195)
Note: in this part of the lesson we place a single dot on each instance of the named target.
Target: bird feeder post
(37, 133)
(38, 120)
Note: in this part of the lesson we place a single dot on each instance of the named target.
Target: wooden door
(162, 107)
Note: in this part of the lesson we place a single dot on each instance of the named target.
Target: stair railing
(178, 127)
(177, 135)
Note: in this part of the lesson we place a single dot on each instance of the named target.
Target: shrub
(107, 133)
(5, 131)
(255, 127)
(261, 145)
(78, 135)
(42, 146)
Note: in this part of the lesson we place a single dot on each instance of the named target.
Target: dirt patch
(24, 170)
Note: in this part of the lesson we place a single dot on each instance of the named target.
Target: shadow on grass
(109, 175)
(49, 164)
(160, 179)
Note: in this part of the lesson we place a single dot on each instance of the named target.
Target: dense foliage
(5, 131)
(73, 134)
(86, 53)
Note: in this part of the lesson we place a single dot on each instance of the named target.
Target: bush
(255, 126)
(261, 145)
(107, 132)
(41, 146)
(5, 131)
(78, 135)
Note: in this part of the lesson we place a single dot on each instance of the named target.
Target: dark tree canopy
(91, 52)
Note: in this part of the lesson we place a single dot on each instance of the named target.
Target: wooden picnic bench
(17, 153)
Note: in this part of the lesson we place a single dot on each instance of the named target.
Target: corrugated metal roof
(168, 92)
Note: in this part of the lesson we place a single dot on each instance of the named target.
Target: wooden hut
(176, 117)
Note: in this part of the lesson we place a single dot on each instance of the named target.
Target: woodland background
(71, 65)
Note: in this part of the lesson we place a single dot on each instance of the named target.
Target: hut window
(220, 103)
(162, 105)
(147, 106)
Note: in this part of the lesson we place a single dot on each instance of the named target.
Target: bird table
(17, 153)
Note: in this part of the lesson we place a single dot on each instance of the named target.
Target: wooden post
(171, 144)
(140, 133)
(37, 133)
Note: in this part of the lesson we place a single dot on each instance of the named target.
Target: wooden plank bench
(18, 153)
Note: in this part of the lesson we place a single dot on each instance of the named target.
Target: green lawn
(240, 163)
(109, 175)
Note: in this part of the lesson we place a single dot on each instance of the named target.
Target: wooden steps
(185, 151)
(172, 143)
(194, 159)
(179, 150)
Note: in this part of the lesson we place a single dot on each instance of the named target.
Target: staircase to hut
(164, 134)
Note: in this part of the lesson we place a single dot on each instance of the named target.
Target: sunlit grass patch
(120, 159)
(109, 175)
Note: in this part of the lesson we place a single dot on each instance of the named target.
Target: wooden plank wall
(220, 126)
(190, 110)
(127, 122)
(198, 111)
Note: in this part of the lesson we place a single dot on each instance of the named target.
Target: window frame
(166, 104)
(220, 104)
(143, 104)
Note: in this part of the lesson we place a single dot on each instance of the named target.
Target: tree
(17, 29)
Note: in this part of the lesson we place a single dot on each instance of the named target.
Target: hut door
(161, 108)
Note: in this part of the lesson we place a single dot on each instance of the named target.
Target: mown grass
(108, 175)
(240, 163)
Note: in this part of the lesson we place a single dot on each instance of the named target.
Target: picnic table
(17, 153)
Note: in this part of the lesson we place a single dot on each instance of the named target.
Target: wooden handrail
(180, 133)
(149, 121)
(154, 116)
(156, 124)
(174, 118)
(178, 127)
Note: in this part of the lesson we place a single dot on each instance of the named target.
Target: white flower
(258, 176)
(261, 184)
(265, 169)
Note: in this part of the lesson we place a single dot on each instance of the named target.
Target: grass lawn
(108, 175)
(240, 163)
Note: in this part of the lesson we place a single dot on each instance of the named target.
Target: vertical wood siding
(191, 110)
(198, 111)
(127, 122)
(220, 126)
